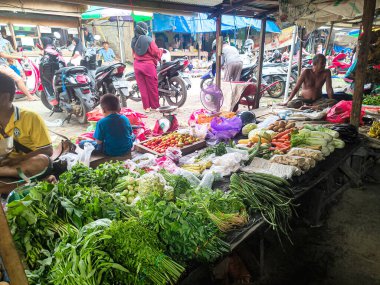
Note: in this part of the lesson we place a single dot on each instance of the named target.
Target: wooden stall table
(190, 55)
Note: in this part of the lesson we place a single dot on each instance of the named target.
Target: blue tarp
(341, 48)
(201, 24)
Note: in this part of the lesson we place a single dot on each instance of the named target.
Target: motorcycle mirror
(97, 37)
(57, 35)
(39, 46)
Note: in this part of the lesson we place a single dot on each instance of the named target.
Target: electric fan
(212, 98)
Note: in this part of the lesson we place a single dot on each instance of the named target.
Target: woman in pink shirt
(146, 55)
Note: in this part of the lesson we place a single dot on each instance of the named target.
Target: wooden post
(219, 43)
(294, 39)
(329, 38)
(260, 63)
(13, 35)
(8, 253)
(301, 48)
(361, 67)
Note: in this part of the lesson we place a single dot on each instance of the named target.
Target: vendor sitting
(26, 131)
(113, 133)
(313, 81)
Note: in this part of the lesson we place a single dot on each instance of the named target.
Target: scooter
(171, 86)
(32, 74)
(69, 87)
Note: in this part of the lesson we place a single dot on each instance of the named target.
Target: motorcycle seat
(166, 64)
(72, 69)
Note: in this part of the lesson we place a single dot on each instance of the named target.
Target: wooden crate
(185, 149)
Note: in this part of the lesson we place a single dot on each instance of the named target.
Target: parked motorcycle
(248, 74)
(338, 65)
(70, 86)
(171, 86)
(32, 74)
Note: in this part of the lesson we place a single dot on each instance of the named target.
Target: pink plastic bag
(340, 113)
(225, 129)
(194, 116)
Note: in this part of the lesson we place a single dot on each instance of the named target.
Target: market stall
(167, 197)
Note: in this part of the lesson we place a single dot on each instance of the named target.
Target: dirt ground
(344, 251)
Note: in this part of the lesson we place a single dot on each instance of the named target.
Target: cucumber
(266, 182)
(274, 179)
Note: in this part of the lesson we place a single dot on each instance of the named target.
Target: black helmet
(247, 117)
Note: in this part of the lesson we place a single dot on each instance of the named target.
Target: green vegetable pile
(267, 194)
(218, 150)
(111, 226)
(371, 100)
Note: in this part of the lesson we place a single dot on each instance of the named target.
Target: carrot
(279, 144)
(280, 140)
(279, 135)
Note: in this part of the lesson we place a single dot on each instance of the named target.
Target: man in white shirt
(232, 62)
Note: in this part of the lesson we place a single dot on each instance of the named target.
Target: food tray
(185, 149)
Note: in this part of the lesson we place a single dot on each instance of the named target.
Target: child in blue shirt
(113, 133)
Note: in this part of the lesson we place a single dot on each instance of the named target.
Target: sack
(225, 129)
(340, 113)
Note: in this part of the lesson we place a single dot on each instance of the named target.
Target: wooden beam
(361, 67)
(223, 8)
(219, 43)
(301, 36)
(9, 255)
(146, 5)
(329, 38)
(260, 63)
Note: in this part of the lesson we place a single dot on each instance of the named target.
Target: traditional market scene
(190, 142)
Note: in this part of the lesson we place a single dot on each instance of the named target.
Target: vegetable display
(267, 194)
(374, 131)
(160, 144)
(281, 126)
(371, 100)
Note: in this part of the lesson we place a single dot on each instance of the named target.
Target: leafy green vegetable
(219, 150)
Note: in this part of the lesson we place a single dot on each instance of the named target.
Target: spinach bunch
(184, 228)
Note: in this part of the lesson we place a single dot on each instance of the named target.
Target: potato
(276, 123)
(275, 129)
(271, 127)
(280, 130)
(282, 124)
(290, 125)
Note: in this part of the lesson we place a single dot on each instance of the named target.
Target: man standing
(30, 138)
(312, 81)
(232, 62)
(107, 54)
(5, 54)
(88, 37)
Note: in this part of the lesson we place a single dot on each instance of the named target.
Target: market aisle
(345, 251)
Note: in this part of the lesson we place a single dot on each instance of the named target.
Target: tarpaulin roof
(201, 24)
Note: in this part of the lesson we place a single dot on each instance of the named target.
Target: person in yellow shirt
(27, 132)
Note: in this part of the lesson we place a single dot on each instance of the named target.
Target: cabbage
(338, 143)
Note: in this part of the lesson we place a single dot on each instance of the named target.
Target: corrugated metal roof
(209, 3)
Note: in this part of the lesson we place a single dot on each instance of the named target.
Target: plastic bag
(145, 160)
(207, 180)
(85, 155)
(195, 116)
(199, 131)
(135, 118)
(167, 164)
(194, 181)
(225, 129)
(174, 153)
(340, 113)
(70, 158)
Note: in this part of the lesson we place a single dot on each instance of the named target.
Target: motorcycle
(338, 66)
(70, 86)
(32, 77)
(171, 86)
(277, 83)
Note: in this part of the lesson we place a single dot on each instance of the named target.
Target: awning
(112, 14)
(200, 23)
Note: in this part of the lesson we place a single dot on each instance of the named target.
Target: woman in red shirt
(146, 55)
